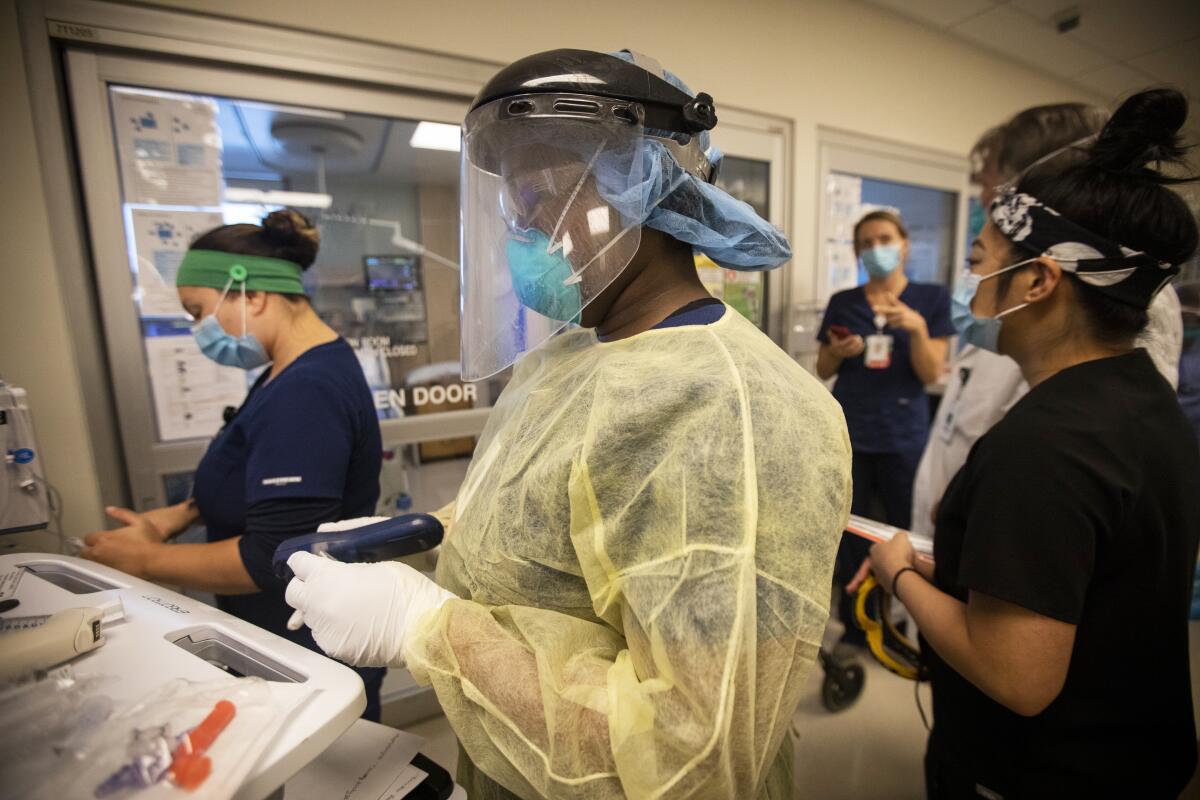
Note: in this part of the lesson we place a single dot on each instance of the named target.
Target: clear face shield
(553, 203)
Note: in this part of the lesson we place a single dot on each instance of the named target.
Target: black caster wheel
(842, 686)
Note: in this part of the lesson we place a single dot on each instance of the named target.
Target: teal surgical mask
(543, 280)
(224, 348)
(881, 260)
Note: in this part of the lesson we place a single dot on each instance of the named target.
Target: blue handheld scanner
(380, 541)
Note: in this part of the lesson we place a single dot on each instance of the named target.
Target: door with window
(169, 151)
(753, 170)
(860, 174)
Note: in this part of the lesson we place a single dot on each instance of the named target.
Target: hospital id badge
(946, 432)
(879, 351)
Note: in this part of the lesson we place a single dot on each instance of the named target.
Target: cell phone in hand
(839, 331)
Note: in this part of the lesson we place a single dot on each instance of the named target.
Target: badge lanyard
(879, 346)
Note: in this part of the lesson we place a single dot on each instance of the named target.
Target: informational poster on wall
(842, 265)
(191, 391)
(169, 148)
(844, 198)
(160, 239)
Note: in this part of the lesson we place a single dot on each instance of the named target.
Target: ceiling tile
(940, 13)
(1115, 81)
(1021, 37)
(1178, 65)
(1123, 29)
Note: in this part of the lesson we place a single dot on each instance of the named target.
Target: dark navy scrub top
(887, 410)
(310, 434)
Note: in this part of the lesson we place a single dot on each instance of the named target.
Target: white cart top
(166, 635)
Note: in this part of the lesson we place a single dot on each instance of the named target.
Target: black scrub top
(1080, 505)
(307, 439)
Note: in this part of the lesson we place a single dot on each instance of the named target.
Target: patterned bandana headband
(1129, 276)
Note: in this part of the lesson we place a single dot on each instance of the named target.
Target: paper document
(879, 532)
(9, 582)
(160, 239)
(369, 762)
(190, 391)
(169, 147)
(844, 207)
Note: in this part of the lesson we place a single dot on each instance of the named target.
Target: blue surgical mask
(983, 332)
(881, 260)
(225, 348)
(543, 281)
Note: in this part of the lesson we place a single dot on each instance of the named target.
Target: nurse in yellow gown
(636, 572)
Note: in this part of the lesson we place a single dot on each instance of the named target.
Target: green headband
(215, 268)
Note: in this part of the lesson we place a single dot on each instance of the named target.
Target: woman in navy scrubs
(303, 449)
(885, 341)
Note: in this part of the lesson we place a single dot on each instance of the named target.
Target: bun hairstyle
(1143, 131)
(1116, 188)
(285, 234)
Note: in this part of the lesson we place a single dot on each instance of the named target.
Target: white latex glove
(349, 524)
(362, 614)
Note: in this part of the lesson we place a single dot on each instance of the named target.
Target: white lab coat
(983, 386)
(1163, 337)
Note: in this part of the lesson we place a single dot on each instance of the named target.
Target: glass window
(384, 195)
(976, 218)
(929, 214)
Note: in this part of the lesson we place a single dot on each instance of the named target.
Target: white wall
(35, 344)
(819, 62)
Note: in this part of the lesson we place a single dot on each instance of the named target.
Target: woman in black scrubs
(303, 449)
(1054, 620)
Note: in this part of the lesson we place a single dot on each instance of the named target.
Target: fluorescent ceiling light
(436, 136)
(234, 194)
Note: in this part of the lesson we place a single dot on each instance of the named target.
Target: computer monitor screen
(393, 273)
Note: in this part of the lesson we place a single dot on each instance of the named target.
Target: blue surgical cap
(691, 210)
